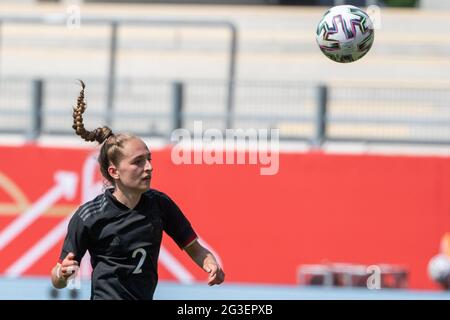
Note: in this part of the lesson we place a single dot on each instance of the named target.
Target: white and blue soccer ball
(345, 33)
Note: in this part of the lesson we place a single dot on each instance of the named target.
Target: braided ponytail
(99, 134)
(112, 145)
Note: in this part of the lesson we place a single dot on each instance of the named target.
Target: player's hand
(216, 274)
(68, 266)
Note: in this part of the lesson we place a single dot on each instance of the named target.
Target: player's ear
(113, 172)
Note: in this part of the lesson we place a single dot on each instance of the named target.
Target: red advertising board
(364, 209)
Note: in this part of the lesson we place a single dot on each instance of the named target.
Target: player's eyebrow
(144, 155)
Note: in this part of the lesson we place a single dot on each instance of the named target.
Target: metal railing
(152, 107)
(116, 22)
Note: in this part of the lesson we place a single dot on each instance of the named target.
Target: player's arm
(178, 228)
(205, 260)
(74, 247)
(63, 271)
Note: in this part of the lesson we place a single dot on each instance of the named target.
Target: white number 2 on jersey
(141, 261)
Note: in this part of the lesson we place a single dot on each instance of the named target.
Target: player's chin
(144, 186)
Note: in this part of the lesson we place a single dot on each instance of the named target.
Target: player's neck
(129, 199)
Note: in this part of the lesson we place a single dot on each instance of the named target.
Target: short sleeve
(76, 239)
(176, 225)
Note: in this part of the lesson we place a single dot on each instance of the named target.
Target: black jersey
(124, 243)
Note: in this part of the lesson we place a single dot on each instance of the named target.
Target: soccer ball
(345, 33)
(439, 267)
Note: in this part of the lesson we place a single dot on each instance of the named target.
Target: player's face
(135, 168)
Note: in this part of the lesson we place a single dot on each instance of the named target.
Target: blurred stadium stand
(394, 3)
(389, 96)
(146, 107)
(261, 2)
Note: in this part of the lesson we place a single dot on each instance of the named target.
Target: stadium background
(371, 189)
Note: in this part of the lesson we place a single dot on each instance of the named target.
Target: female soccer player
(122, 228)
